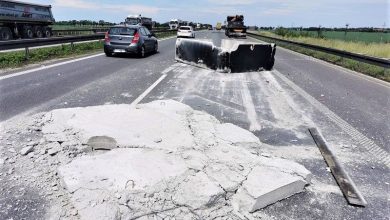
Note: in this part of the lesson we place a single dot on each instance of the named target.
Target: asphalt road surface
(278, 106)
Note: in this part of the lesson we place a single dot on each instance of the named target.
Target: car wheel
(38, 32)
(5, 34)
(47, 32)
(156, 47)
(108, 53)
(28, 32)
(142, 52)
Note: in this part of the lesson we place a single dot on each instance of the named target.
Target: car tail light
(135, 38)
(107, 38)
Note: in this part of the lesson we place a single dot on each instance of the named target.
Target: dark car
(132, 39)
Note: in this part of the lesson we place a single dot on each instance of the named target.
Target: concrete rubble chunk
(198, 192)
(53, 151)
(27, 150)
(102, 143)
(265, 186)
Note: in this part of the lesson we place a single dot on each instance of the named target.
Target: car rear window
(122, 31)
(185, 28)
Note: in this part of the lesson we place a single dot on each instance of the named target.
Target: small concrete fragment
(102, 143)
(27, 150)
(53, 151)
(266, 186)
(198, 192)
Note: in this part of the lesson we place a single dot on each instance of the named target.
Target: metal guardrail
(26, 43)
(382, 62)
(65, 32)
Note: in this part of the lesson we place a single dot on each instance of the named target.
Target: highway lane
(362, 102)
(22, 93)
(282, 115)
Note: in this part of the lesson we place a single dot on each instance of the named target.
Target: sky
(287, 13)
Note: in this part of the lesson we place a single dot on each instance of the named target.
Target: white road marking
(365, 142)
(147, 91)
(49, 66)
(250, 107)
(58, 64)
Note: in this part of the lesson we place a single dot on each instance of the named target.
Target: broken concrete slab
(145, 125)
(121, 169)
(169, 156)
(265, 186)
(236, 135)
(198, 192)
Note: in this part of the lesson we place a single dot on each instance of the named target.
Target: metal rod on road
(347, 186)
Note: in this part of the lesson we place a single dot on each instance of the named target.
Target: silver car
(132, 39)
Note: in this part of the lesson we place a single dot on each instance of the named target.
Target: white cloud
(131, 9)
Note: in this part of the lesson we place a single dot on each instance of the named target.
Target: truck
(235, 26)
(174, 24)
(218, 27)
(24, 20)
(139, 20)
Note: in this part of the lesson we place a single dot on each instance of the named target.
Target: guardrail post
(72, 45)
(27, 53)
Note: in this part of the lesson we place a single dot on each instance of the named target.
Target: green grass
(18, 59)
(371, 70)
(371, 49)
(354, 36)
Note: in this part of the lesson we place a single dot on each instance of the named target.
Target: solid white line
(371, 147)
(58, 64)
(47, 67)
(147, 91)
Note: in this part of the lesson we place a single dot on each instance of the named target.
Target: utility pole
(319, 31)
(346, 29)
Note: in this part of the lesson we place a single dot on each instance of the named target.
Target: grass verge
(18, 59)
(371, 49)
(371, 70)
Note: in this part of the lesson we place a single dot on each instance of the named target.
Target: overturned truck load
(233, 56)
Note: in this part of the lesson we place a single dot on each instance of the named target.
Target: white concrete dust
(172, 161)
